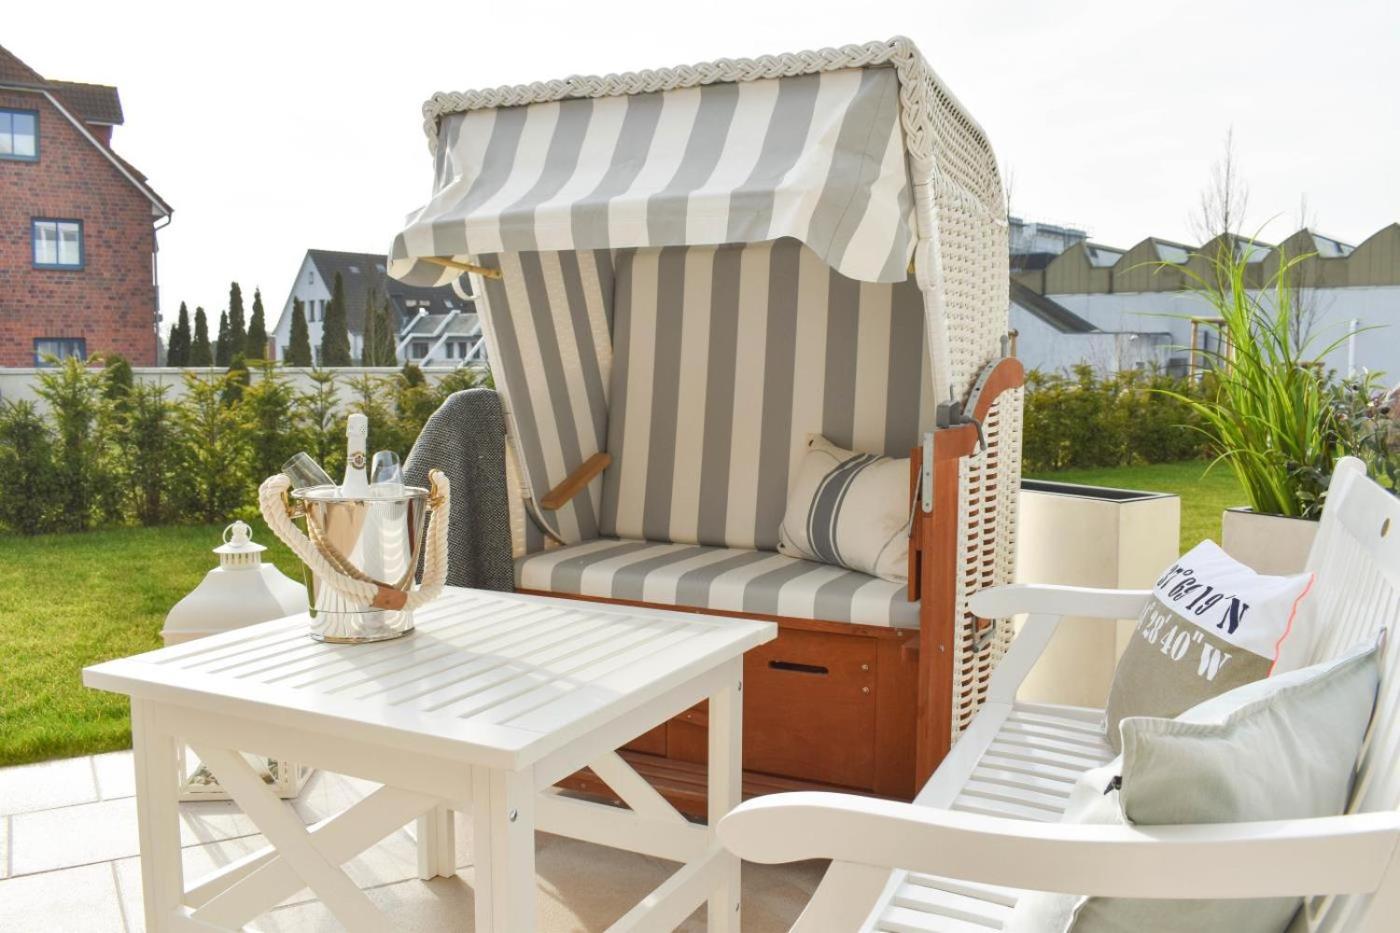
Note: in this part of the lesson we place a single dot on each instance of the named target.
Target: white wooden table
(491, 701)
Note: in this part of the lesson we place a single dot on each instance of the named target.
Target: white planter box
(1268, 543)
(1090, 536)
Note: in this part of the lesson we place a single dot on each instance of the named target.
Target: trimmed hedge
(106, 451)
(1084, 419)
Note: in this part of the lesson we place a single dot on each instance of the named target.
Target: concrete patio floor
(69, 862)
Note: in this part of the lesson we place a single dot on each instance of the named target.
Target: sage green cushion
(1275, 749)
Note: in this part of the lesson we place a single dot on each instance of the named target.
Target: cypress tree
(379, 344)
(335, 338)
(200, 352)
(388, 354)
(178, 352)
(257, 329)
(369, 342)
(222, 354)
(237, 379)
(237, 329)
(299, 345)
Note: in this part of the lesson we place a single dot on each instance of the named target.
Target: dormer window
(19, 135)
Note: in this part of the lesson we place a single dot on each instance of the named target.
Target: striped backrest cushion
(725, 359)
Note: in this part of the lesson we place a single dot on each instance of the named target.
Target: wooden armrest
(1324, 855)
(576, 482)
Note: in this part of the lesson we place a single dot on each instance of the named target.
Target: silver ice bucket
(360, 553)
(378, 537)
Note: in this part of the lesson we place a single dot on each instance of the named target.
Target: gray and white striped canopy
(816, 157)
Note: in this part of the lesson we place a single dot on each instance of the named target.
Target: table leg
(725, 791)
(158, 818)
(503, 850)
(437, 847)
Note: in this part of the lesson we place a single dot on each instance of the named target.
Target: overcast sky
(276, 127)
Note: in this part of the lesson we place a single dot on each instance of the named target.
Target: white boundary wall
(19, 384)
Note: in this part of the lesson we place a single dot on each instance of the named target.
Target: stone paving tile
(199, 860)
(74, 900)
(116, 775)
(48, 784)
(99, 832)
(327, 793)
(441, 904)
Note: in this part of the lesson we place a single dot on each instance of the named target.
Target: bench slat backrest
(725, 359)
(1356, 559)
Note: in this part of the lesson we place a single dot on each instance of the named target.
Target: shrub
(147, 439)
(1087, 420)
(27, 477)
(213, 452)
(268, 412)
(87, 490)
(318, 419)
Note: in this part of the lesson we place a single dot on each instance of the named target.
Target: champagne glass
(304, 472)
(386, 473)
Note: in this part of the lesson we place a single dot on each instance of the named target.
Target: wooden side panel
(652, 743)
(897, 678)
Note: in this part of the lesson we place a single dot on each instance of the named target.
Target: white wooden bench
(984, 827)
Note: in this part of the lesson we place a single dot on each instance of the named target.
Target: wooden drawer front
(809, 711)
(809, 708)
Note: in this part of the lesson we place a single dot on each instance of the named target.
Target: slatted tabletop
(494, 679)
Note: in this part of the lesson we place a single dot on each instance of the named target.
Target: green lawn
(67, 601)
(1203, 495)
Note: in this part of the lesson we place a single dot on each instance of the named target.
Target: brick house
(77, 225)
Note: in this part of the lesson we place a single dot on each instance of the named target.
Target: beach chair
(984, 828)
(683, 273)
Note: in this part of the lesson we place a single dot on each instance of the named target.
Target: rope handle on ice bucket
(332, 568)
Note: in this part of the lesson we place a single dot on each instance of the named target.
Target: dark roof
(1050, 311)
(89, 103)
(362, 271)
(1030, 262)
(14, 71)
(94, 103)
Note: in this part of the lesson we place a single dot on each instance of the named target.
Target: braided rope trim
(919, 88)
(347, 581)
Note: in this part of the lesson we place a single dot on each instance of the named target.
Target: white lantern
(241, 591)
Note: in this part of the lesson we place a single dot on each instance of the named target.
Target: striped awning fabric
(818, 157)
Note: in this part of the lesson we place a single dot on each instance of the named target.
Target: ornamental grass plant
(1266, 402)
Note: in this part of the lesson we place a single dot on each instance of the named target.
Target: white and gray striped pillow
(849, 509)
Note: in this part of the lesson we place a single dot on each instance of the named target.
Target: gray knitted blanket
(466, 439)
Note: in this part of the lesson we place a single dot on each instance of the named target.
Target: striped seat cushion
(733, 579)
(724, 360)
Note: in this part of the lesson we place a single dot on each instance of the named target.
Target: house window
(19, 135)
(419, 349)
(60, 348)
(58, 244)
(456, 349)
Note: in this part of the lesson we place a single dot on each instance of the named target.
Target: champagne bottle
(356, 482)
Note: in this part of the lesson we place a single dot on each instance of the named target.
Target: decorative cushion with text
(1212, 624)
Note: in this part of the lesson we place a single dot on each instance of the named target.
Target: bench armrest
(1329, 855)
(1000, 602)
(576, 482)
